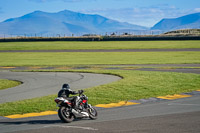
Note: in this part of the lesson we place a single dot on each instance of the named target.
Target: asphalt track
(177, 116)
(164, 116)
(37, 84)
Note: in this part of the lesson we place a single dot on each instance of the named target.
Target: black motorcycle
(68, 113)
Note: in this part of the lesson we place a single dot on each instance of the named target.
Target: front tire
(92, 113)
(65, 115)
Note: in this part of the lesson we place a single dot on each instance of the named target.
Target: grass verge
(4, 83)
(57, 45)
(134, 85)
(89, 58)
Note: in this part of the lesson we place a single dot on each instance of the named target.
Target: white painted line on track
(77, 127)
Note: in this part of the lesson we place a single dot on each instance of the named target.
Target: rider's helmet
(65, 87)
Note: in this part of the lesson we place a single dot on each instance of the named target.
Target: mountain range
(69, 23)
(191, 21)
(64, 22)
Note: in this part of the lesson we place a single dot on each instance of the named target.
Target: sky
(140, 12)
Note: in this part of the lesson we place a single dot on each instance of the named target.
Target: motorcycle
(67, 113)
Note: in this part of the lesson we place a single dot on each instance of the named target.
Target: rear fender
(62, 102)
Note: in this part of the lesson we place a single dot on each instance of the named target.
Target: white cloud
(197, 10)
(145, 16)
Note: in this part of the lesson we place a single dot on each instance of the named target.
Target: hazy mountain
(191, 21)
(64, 22)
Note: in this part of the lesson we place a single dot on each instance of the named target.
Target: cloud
(197, 10)
(146, 16)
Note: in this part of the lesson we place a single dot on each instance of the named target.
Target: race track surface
(176, 116)
(37, 84)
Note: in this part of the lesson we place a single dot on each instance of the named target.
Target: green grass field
(58, 45)
(85, 58)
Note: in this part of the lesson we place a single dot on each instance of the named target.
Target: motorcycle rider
(66, 91)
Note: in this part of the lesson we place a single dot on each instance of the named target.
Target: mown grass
(134, 85)
(60, 45)
(4, 83)
(89, 58)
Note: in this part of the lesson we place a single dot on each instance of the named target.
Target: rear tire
(92, 113)
(65, 115)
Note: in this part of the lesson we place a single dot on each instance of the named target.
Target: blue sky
(140, 12)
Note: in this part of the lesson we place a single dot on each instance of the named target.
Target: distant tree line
(185, 31)
(58, 35)
(104, 38)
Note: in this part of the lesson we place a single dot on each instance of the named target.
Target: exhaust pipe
(82, 114)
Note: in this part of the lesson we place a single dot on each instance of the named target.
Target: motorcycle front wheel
(65, 114)
(92, 113)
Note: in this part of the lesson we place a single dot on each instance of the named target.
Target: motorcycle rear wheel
(65, 115)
